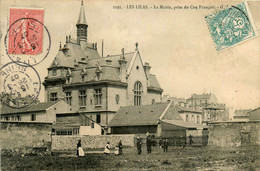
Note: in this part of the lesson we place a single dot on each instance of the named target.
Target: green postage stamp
(231, 26)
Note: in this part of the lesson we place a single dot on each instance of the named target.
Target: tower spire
(82, 17)
(82, 26)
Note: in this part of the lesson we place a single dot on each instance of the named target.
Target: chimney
(122, 63)
(147, 69)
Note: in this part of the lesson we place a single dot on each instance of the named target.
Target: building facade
(38, 112)
(97, 85)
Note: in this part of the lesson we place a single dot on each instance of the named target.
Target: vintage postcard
(129, 85)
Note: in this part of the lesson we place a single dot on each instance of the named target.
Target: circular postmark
(20, 85)
(27, 41)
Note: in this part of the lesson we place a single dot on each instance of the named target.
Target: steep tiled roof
(75, 55)
(33, 108)
(143, 115)
(185, 124)
(113, 60)
(61, 61)
(153, 81)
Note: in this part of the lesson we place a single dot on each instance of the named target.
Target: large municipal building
(97, 86)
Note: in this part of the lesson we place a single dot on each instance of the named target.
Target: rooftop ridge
(146, 104)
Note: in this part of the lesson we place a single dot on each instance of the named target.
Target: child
(116, 150)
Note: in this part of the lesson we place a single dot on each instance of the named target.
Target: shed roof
(33, 108)
(185, 124)
(144, 115)
(254, 114)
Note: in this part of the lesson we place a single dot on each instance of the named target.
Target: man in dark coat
(160, 143)
(120, 146)
(149, 145)
(165, 145)
(191, 141)
(139, 145)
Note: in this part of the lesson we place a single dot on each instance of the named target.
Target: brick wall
(22, 137)
(234, 133)
(95, 141)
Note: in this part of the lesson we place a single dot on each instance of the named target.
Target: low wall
(91, 141)
(229, 134)
(23, 137)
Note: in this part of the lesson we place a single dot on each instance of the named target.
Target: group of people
(162, 143)
(118, 149)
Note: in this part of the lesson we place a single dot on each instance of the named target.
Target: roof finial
(81, 2)
(136, 46)
(123, 53)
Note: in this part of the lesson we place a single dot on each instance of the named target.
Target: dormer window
(82, 78)
(54, 71)
(83, 59)
(68, 79)
(83, 75)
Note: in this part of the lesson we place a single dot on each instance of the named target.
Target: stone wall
(234, 133)
(23, 137)
(93, 141)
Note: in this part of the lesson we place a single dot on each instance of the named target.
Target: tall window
(68, 97)
(198, 119)
(33, 117)
(18, 118)
(98, 118)
(98, 95)
(137, 93)
(192, 118)
(187, 118)
(82, 98)
(54, 97)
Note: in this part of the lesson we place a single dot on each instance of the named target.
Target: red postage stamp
(26, 31)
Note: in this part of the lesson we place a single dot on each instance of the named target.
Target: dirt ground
(177, 158)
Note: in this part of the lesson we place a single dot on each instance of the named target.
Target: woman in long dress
(107, 148)
(80, 152)
(120, 146)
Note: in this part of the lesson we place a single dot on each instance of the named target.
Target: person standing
(149, 145)
(107, 148)
(191, 141)
(160, 143)
(139, 145)
(80, 152)
(165, 145)
(120, 146)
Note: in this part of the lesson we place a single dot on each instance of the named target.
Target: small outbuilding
(142, 119)
(161, 120)
(76, 124)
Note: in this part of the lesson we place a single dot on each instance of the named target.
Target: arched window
(137, 93)
(192, 118)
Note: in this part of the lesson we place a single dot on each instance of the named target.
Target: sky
(176, 43)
